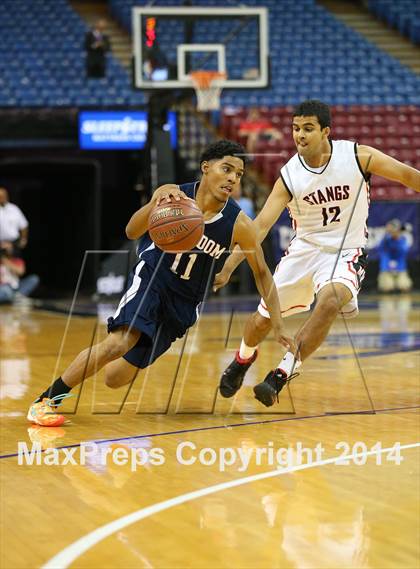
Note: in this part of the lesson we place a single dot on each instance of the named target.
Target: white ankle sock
(246, 352)
(289, 364)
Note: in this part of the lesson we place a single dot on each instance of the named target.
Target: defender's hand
(286, 341)
(220, 280)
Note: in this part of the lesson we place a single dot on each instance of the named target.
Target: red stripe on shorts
(357, 255)
(287, 309)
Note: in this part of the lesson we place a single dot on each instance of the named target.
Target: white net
(208, 87)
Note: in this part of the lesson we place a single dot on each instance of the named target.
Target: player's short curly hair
(221, 148)
(314, 108)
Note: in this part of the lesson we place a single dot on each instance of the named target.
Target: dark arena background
(101, 102)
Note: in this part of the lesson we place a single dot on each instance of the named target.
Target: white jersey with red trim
(329, 205)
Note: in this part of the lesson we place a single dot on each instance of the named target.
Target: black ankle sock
(57, 388)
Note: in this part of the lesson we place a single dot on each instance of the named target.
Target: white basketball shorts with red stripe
(306, 268)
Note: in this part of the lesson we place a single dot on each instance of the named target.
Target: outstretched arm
(138, 224)
(245, 236)
(273, 207)
(374, 161)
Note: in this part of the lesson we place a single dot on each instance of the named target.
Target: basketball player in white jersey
(325, 187)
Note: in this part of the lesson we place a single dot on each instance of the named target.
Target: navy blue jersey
(190, 274)
(165, 290)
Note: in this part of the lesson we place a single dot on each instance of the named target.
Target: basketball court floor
(171, 475)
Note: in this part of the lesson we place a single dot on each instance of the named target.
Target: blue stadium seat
(405, 16)
(42, 57)
(42, 61)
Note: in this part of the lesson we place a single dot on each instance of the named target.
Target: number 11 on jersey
(188, 268)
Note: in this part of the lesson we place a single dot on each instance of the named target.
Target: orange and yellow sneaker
(43, 413)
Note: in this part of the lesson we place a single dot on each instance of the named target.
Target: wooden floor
(267, 492)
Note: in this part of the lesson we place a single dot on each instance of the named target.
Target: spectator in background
(96, 46)
(393, 250)
(256, 127)
(12, 268)
(156, 66)
(246, 204)
(13, 224)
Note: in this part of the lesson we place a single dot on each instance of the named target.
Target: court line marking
(371, 354)
(70, 553)
(226, 426)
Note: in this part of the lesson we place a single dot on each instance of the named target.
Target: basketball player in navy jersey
(165, 290)
(325, 187)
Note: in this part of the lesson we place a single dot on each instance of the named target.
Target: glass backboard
(170, 42)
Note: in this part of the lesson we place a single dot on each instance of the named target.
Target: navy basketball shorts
(161, 315)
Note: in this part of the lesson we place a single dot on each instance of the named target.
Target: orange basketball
(176, 226)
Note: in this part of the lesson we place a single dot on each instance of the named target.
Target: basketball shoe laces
(274, 382)
(57, 400)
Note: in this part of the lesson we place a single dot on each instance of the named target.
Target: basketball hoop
(207, 88)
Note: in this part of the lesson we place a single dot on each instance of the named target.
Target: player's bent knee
(119, 373)
(119, 343)
(330, 305)
(114, 349)
(112, 381)
(116, 376)
(261, 324)
(332, 298)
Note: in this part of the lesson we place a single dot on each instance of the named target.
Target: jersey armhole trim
(286, 186)
(365, 176)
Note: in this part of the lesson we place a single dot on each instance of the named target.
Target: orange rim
(204, 79)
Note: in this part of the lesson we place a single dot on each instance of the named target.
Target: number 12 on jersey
(335, 211)
(188, 268)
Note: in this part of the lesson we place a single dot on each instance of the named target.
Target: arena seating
(375, 98)
(342, 68)
(42, 60)
(403, 15)
(394, 130)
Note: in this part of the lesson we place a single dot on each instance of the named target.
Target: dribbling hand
(168, 193)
